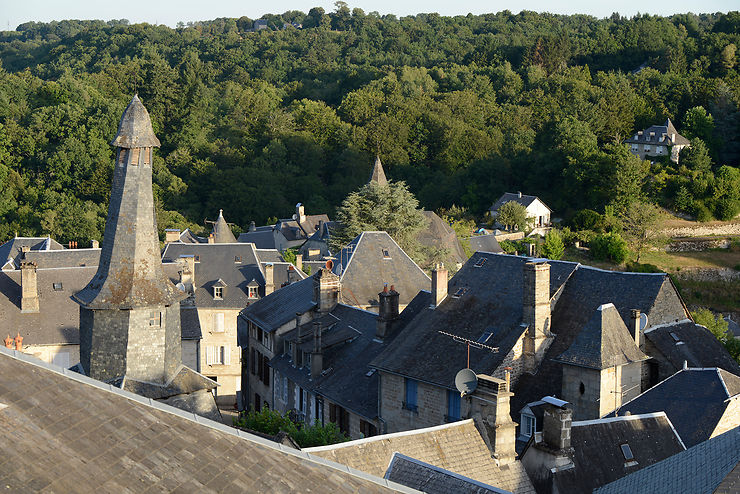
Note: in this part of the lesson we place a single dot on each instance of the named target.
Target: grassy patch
(720, 296)
(675, 261)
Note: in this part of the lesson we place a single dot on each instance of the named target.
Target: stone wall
(708, 274)
(698, 244)
(725, 229)
(228, 375)
(61, 355)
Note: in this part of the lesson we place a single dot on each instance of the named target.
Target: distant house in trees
(658, 140)
(536, 209)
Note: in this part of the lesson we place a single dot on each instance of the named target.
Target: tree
(716, 325)
(390, 208)
(640, 222)
(513, 215)
(628, 176)
(609, 246)
(552, 247)
(306, 435)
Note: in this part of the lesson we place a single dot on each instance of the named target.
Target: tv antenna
(469, 343)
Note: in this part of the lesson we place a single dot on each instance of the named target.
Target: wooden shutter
(209, 355)
(227, 355)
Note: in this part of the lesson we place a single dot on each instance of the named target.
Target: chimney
(556, 425)
(8, 342)
(317, 356)
(531, 250)
(95, 244)
(187, 274)
(252, 226)
(636, 333)
(18, 341)
(300, 213)
(536, 313)
(439, 284)
(299, 261)
(25, 248)
(387, 311)
(171, 235)
(519, 194)
(551, 450)
(325, 290)
(269, 278)
(29, 287)
(211, 239)
(490, 409)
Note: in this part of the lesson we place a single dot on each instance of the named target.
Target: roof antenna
(460, 339)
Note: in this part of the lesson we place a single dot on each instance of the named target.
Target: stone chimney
(299, 261)
(171, 235)
(325, 290)
(439, 284)
(536, 313)
(556, 425)
(317, 355)
(252, 226)
(187, 273)
(95, 244)
(300, 213)
(636, 333)
(490, 409)
(211, 239)
(29, 287)
(551, 450)
(519, 194)
(269, 278)
(387, 311)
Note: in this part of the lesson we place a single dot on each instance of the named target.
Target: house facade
(537, 211)
(658, 140)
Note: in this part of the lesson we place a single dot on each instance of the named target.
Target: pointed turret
(222, 233)
(130, 314)
(378, 176)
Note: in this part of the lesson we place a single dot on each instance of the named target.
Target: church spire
(378, 176)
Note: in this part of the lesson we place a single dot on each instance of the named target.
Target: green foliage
(390, 208)
(513, 215)
(640, 221)
(587, 219)
(552, 247)
(609, 246)
(290, 255)
(717, 325)
(636, 267)
(305, 435)
(307, 269)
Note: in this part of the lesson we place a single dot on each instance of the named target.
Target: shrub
(588, 219)
(553, 246)
(717, 325)
(306, 435)
(609, 246)
(636, 267)
(726, 209)
(701, 211)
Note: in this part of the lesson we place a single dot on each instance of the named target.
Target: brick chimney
(490, 410)
(325, 290)
(636, 333)
(171, 235)
(536, 313)
(300, 213)
(269, 279)
(317, 355)
(439, 284)
(299, 261)
(387, 311)
(29, 287)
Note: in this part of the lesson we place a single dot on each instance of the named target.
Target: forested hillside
(462, 108)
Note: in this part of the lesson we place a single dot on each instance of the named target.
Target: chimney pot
(95, 244)
(8, 342)
(636, 333)
(439, 284)
(19, 342)
(519, 194)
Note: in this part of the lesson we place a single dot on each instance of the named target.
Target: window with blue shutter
(453, 406)
(409, 402)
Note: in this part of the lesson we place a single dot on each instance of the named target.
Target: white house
(536, 209)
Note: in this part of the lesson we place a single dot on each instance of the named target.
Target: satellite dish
(643, 321)
(466, 381)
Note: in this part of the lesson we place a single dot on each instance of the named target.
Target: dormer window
(237, 259)
(386, 254)
(480, 262)
(58, 287)
(252, 292)
(218, 293)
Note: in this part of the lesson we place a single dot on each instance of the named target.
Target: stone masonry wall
(228, 375)
(431, 404)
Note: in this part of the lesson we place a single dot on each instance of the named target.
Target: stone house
(293, 232)
(220, 234)
(537, 211)
(658, 140)
(221, 279)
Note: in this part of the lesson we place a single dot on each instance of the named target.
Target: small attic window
(386, 254)
(370, 373)
(460, 292)
(485, 337)
(252, 292)
(480, 262)
(675, 337)
(218, 292)
(196, 257)
(57, 286)
(237, 259)
(627, 452)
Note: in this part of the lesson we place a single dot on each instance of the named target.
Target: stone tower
(222, 233)
(130, 310)
(378, 175)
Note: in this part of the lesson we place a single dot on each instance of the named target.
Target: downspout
(383, 427)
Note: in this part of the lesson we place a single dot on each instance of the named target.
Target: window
(155, 318)
(627, 452)
(218, 355)
(214, 390)
(460, 292)
(485, 337)
(480, 262)
(367, 429)
(266, 371)
(252, 292)
(253, 361)
(218, 322)
(529, 424)
(196, 258)
(453, 406)
(386, 254)
(57, 286)
(339, 416)
(582, 388)
(409, 402)
(675, 336)
(647, 148)
(218, 293)
(237, 259)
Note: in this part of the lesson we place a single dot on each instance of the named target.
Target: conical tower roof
(603, 342)
(222, 234)
(378, 175)
(135, 129)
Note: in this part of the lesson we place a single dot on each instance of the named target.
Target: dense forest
(461, 108)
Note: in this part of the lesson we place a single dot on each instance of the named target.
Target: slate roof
(64, 258)
(434, 480)
(378, 175)
(269, 256)
(364, 270)
(484, 243)
(439, 234)
(689, 342)
(293, 230)
(262, 239)
(457, 447)
(695, 401)
(732, 326)
(584, 292)
(87, 436)
(661, 136)
(518, 197)
(702, 469)
(491, 303)
(216, 262)
(135, 127)
(58, 319)
(271, 312)
(319, 240)
(11, 249)
(603, 342)
(598, 457)
(188, 237)
(222, 233)
(190, 323)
